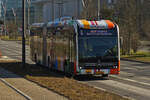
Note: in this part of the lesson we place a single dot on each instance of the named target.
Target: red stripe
(114, 71)
(75, 69)
(94, 70)
(96, 23)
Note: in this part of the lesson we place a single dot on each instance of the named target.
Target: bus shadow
(33, 70)
(30, 70)
(90, 78)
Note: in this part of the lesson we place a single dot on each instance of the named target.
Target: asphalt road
(133, 81)
(13, 50)
(24, 89)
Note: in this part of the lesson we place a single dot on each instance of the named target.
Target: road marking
(18, 91)
(126, 87)
(5, 57)
(126, 79)
(102, 89)
(112, 92)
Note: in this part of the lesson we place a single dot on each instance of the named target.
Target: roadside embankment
(143, 57)
(58, 83)
(17, 39)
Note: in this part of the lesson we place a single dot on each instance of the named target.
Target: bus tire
(66, 73)
(35, 57)
(48, 61)
(105, 75)
(65, 68)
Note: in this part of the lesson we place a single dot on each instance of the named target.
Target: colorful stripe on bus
(103, 24)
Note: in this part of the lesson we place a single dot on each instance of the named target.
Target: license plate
(99, 72)
(88, 71)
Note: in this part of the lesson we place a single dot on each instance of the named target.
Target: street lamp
(98, 13)
(53, 12)
(78, 9)
(14, 13)
(5, 10)
(60, 4)
(29, 4)
(85, 7)
(15, 18)
(23, 32)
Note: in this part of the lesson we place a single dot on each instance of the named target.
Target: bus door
(44, 47)
(51, 51)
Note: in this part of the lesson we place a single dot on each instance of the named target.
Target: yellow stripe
(86, 24)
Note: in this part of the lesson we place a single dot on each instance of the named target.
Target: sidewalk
(7, 93)
(31, 89)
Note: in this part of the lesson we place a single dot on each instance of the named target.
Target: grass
(7, 38)
(139, 56)
(58, 83)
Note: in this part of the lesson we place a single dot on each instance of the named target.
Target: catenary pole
(29, 4)
(5, 10)
(23, 32)
(98, 13)
(53, 14)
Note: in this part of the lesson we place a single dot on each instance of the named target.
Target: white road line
(5, 57)
(129, 74)
(112, 92)
(126, 87)
(126, 79)
(106, 90)
(18, 91)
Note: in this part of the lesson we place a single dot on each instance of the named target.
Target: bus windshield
(98, 47)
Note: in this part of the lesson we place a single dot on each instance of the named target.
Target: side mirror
(121, 41)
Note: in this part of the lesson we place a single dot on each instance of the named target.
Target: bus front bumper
(97, 71)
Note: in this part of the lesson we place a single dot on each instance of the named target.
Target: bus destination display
(97, 32)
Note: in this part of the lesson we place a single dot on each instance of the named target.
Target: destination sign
(92, 32)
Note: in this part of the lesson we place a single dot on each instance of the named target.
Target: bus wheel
(48, 62)
(105, 75)
(66, 73)
(65, 68)
(35, 57)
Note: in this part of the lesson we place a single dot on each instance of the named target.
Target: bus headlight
(115, 67)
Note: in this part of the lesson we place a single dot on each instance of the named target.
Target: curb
(15, 89)
(0, 54)
(125, 59)
(23, 94)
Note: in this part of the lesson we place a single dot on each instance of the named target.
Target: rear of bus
(98, 48)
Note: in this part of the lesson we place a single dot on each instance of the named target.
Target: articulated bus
(77, 47)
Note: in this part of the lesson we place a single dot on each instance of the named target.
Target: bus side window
(121, 42)
(31, 33)
(48, 34)
(41, 32)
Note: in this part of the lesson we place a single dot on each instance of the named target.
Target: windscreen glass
(98, 43)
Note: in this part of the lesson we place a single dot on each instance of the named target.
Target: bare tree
(12, 30)
(128, 22)
(91, 9)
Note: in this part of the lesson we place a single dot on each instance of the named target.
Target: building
(0, 10)
(14, 10)
(48, 10)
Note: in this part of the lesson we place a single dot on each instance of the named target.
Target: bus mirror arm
(121, 41)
